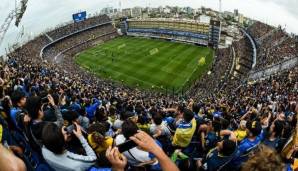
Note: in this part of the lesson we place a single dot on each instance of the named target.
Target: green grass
(147, 63)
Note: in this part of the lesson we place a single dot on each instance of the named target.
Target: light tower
(220, 9)
(17, 14)
(120, 6)
(220, 6)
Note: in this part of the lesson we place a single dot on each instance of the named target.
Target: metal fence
(284, 65)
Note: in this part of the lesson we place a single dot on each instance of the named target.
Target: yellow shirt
(295, 164)
(98, 148)
(184, 133)
(1, 132)
(144, 127)
(240, 134)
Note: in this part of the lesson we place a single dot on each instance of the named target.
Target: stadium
(115, 91)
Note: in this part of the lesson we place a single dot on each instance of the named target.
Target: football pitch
(147, 63)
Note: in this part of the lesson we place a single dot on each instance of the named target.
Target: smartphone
(127, 145)
(70, 128)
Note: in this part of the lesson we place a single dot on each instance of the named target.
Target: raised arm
(58, 114)
(90, 154)
(148, 144)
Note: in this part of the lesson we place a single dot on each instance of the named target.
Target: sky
(45, 14)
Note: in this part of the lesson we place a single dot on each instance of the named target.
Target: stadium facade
(190, 31)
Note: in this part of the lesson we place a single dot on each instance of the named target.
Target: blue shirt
(211, 140)
(13, 115)
(215, 160)
(99, 169)
(90, 110)
(245, 147)
(75, 106)
(169, 120)
(217, 114)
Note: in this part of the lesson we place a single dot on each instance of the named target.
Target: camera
(70, 128)
(44, 99)
(127, 145)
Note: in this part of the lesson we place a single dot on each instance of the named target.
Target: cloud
(289, 5)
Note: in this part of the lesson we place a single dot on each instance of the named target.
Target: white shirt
(134, 156)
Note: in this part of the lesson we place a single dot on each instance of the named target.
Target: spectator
(159, 125)
(91, 107)
(241, 131)
(54, 152)
(185, 130)
(97, 139)
(247, 145)
(135, 156)
(265, 159)
(221, 156)
(34, 107)
(18, 99)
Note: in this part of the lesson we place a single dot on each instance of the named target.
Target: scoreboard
(81, 16)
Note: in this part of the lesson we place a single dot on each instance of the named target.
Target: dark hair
(97, 127)
(6, 106)
(17, 96)
(70, 116)
(278, 127)
(56, 98)
(196, 108)
(181, 108)
(1, 92)
(33, 105)
(228, 147)
(187, 115)
(157, 118)
(81, 111)
(112, 110)
(224, 124)
(100, 115)
(216, 124)
(129, 128)
(142, 119)
(106, 125)
(128, 114)
(53, 138)
(254, 127)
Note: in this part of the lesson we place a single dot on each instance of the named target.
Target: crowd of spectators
(274, 45)
(73, 27)
(243, 54)
(75, 40)
(55, 117)
(259, 29)
(219, 71)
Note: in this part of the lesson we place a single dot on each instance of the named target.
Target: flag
(202, 61)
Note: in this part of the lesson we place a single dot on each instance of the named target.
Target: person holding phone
(34, 106)
(134, 155)
(58, 157)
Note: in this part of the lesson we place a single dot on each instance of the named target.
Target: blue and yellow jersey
(184, 133)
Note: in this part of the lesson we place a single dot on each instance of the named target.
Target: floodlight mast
(17, 14)
(220, 9)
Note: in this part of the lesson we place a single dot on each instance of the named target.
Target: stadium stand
(56, 116)
(190, 31)
(274, 44)
(71, 28)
